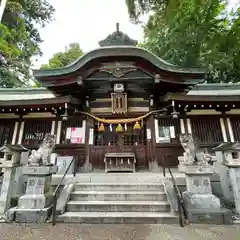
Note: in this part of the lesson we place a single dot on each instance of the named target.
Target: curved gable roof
(114, 51)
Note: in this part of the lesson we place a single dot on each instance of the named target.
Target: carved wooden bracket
(119, 103)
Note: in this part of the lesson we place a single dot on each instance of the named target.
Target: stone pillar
(225, 182)
(8, 186)
(230, 154)
(234, 175)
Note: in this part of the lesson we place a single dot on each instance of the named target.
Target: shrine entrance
(127, 140)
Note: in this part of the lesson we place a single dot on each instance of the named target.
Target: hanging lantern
(101, 128)
(137, 126)
(174, 113)
(119, 128)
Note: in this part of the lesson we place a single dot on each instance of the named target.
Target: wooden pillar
(176, 123)
(150, 144)
(88, 145)
(59, 130)
(189, 126)
(224, 128)
(154, 163)
(21, 131)
(182, 125)
(15, 132)
(53, 127)
(156, 131)
(229, 124)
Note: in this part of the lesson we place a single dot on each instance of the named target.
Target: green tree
(20, 39)
(196, 33)
(61, 59)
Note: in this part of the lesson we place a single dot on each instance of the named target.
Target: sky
(86, 22)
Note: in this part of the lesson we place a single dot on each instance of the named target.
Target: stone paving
(117, 232)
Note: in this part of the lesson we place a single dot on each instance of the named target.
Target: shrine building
(123, 102)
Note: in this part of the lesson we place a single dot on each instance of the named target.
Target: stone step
(118, 196)
(118, 218)
(143, 177)
(119, 187)
(118, 206)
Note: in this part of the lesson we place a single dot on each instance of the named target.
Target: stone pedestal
(201, 204)
(234, 175)
(222, 170)
(35, 204)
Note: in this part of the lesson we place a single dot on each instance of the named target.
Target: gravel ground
(117, 232)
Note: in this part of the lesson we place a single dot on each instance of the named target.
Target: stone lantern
(12, 153)
(10, 164)
(229, 155)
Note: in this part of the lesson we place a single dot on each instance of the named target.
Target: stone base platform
(142, 177)
(236, 221)
(28, 215)
(210, 216)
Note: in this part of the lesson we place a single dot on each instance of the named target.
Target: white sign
(77, 135)
(149, 135)
(172, 132)
(91, 133)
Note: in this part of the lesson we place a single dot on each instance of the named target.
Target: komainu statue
(43, 155)
(192, 153)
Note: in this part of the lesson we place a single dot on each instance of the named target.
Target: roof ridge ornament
(117, 38)
(117, 27)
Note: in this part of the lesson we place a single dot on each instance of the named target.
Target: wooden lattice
(6, 130)
(35, 130)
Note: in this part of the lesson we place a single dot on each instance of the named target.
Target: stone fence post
(230, 155)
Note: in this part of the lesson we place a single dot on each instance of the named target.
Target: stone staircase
(125, 202)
